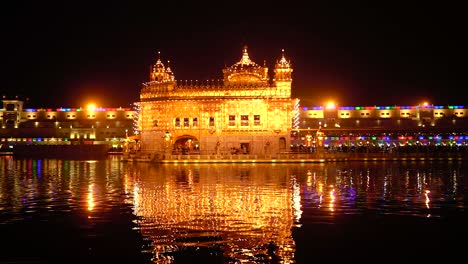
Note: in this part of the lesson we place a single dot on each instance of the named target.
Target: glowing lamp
(330, 105)
(91, 107)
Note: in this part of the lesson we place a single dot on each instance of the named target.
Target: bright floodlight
(330, 105)
(91, 107)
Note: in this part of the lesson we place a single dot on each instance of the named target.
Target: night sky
(66, 55)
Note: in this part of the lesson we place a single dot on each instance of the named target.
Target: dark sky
(64, 55)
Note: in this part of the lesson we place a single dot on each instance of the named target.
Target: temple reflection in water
(242, 208)
(180, 206)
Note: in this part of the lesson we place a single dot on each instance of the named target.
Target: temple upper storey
(244, 79)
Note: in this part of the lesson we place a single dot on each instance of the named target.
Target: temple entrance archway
(282, 144)
(186, 144)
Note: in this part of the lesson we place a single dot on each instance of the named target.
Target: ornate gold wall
(245, 114)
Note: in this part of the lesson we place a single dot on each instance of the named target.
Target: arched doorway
(282, 144)
(186, 144)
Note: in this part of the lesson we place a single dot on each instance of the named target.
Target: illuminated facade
(422, 117)
(384, 126)
(247, 113)
(64, 126)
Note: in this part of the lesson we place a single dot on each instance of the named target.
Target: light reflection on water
(223, 213)
(241, 208)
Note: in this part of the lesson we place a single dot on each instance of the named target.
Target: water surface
(105, 211)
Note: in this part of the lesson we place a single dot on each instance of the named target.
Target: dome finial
(245, 56)
(283, 63)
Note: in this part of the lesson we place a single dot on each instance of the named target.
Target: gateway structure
(248, 112)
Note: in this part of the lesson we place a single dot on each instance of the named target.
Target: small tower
(282, 78)
(161, 74)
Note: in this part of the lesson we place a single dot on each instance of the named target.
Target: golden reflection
(426, 194)
(332, 198)
(320, 193)
(309, 178)
(90, 199)
(297, 202)
(367, 181)
(455, 182)
(246, 207)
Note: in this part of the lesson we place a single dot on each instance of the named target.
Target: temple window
(195, 122)
(256, 120)
(177, 122)
(211, 123)
(244, 120)
(155, 123)
(186, 122)
(232, 120)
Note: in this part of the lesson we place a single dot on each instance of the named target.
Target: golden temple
(246, 113)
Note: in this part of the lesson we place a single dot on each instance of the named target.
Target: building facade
(63, 126)
(382, 127)
(248, 112)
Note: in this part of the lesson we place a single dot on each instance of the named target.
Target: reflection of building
(63, 126)
(247, 113)
(241, 208)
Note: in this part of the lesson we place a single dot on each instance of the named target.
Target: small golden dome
(245, 71)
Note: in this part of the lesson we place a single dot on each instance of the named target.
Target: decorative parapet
(150, 92)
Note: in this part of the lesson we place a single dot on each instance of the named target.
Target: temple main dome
(245, 72)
